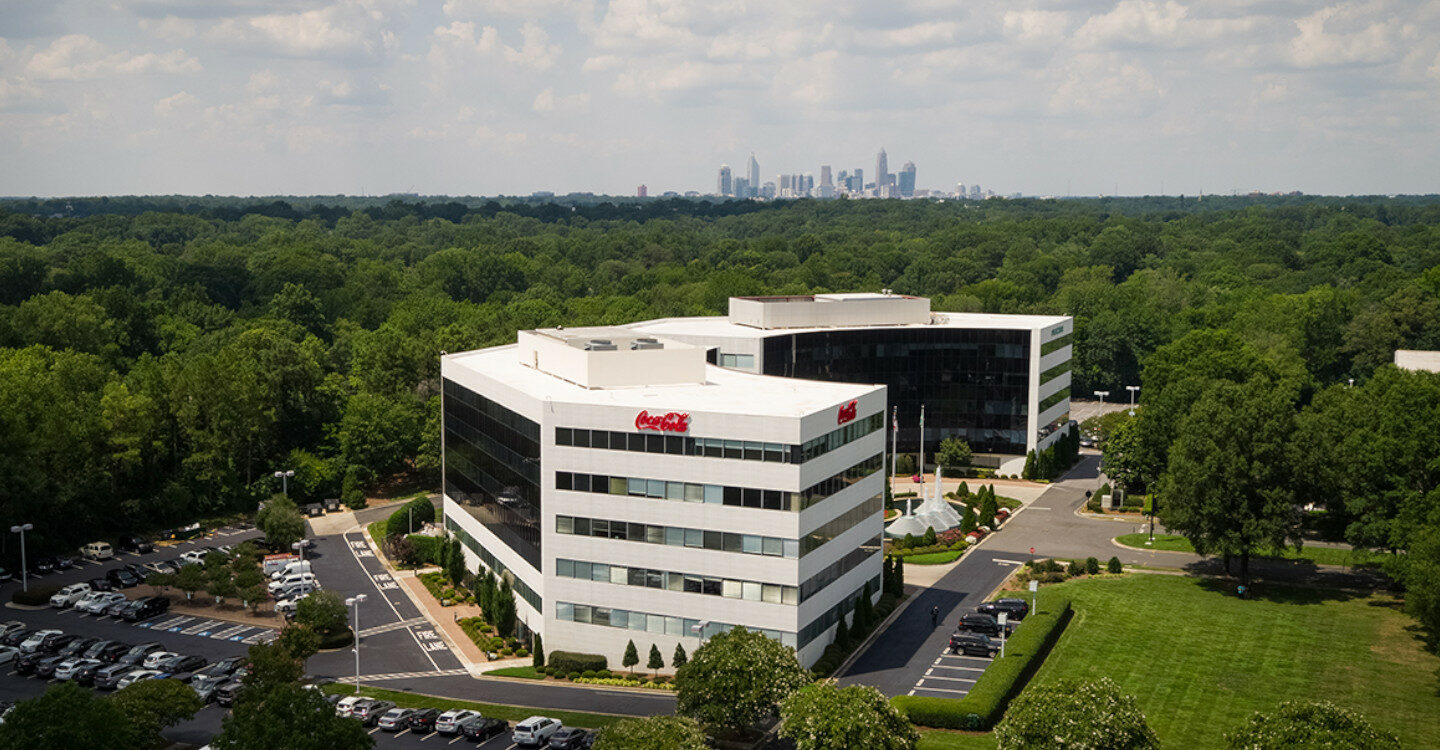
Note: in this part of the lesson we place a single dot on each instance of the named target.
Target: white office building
(631, 491)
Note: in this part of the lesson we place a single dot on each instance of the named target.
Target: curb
(567, 684)
(27, 607)
(1116, 541)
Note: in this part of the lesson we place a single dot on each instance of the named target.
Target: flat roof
(724, 391)
(721, 326)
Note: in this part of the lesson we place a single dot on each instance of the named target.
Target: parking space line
(938, 690)
(965, 669)
(950, 679)
(197, 629)
(227, 632)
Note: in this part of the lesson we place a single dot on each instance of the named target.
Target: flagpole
(921, 467)
(894, 437)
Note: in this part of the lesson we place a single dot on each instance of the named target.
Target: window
(749, 544)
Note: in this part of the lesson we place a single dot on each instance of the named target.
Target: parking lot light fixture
(1134, 389)
(1102, 395)
(24, 572)
(300, 546)
(284, 477)
(354, 603)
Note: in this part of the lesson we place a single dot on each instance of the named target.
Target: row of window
(671, 581)
(522, 589)
(839, 525)
(1055, 344)
(1054, 399)
(1054, 372)
(504, 416)
(675, 536)
(746, 361)
(832, 572)
(829, 617)
(745, 450)
(746, 497)
(650, 623)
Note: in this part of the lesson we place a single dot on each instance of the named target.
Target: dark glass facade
(492, 468)
(974, 383)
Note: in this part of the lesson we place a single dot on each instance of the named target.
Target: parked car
(973, 644)
(369, 713)
(347, 704)
(979, 623)
(136, 676)
(45, 668)
(137, 654)
(76, 647)
(217, 673)
(297, 591)
(16, 637)
(153, 659)
(98, 601)
(449, 722)
(65, 562)
(116, 609)
(146, 608)
(108, 677)
(423, 720)
(106, 651)
(67, 596)
(24, 664)
(295, 579)
(6, 575)
(195, 556)
(97, 551)
(395, 719)
(138, 571)
(10, 626)
(1015, 609)
(31, 644)
(226, 693)
(122, 578)
(182, 665)
(43, 566)
(291, 568)
(100, 584)
(70, 668)
(483, 728)
(135, 543)
(160, 566)
(534, 731)
(8, 654)
(571, 738)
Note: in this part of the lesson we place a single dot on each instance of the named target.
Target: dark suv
(122, 578)
(135, 543)
(976, 622)
(1015, 609)
(973, 644)
(145, 608)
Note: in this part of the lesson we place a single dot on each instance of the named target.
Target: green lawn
(935, 558)
(527, 673)
(1200, 661)
(934, 739)
(511, 714)
(1317, 555)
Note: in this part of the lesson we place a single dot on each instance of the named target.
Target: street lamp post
(1134, 389)
(1154, 502)
(24, 572)
(284, 477)
(1102, 395)
(300, 547)
(699, 630)
(354, 603)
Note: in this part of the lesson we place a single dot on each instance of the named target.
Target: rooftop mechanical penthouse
(1000, 382)
(632, 491)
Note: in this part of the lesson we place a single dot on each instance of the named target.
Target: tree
(537, 652)
(288, 716)
(736, 679)
(1113, 566)
(1227, 487)
(631, 658)
(323, 611)
(1074, 713)
(928, 539)
(865, 607)
(220, 583)
(1299, 725)
(190, 578)
(455, 561)
(1092, 566)
(1420, 572)
(989, 508)
(281, 522)
(378, 432)
(842, 633)
(678, 659)
(1029, 471)
(153, 705)
(824, 716)
(652, 733)
(967, 521)
(504, 613)
(899, 582)
(657, 661)
(351, 491)
(954, 454)
(67, 715)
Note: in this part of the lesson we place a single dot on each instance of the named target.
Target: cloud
(459, 43)
(173, 105)
(1045, 26)
(1133, 22)
(77, 57)
(1344, 35)
(347, 29)
(546, 102)
(1106, 85)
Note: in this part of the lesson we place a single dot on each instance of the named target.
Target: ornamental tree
(824, 716)
(736, 679)
(954, 454)
(631, 658)
(652, 733)
(656, 661)
(1300, 725)
(1081, 714)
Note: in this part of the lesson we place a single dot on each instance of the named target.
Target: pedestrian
(1240, 590)
(934, 616)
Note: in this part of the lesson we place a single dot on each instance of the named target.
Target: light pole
(300, 547)
(699, 630)
(24, 572)
(354, 603)
(1102, 395)
(1134, 389)
(284, 477)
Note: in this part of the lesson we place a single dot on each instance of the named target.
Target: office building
(631, 491)
(752, 171)
(642, 192)
(1000, 382)
(907, 180)
(882, 171)
(825, 176)
(740, 187)
(723, 184)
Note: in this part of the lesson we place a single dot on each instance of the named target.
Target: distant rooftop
(1413, 359)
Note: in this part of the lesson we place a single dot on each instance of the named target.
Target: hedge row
(427, 548)
(566, 662)
(418, 512)
(983, 707)
(37, 595)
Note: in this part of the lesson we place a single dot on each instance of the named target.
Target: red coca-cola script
(673, 422)
(847, 413)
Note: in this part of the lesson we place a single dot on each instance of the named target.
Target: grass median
(511, 714)
(1319, 555)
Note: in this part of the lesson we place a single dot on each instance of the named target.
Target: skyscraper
(722, 183)
(882, 172)
(907, 179)
(752, 171)
(825, 176)
(741, 187)
(642, 192)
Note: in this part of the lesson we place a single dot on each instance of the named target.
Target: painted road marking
(227, 632)
(204, 626)
(938, 690)
(356, 551)
(1009, 562)
(951, 679)
(408, 675)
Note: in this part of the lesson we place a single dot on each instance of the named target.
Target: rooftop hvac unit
(646, 343)
(601, 345)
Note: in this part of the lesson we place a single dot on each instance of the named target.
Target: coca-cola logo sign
(673, 422)
(847, 412)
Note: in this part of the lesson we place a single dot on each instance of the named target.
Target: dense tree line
(160, 358)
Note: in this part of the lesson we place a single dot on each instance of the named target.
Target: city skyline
(833, 184)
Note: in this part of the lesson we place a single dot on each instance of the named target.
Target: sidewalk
(446, 620)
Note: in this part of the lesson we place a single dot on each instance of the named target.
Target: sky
(486, 97)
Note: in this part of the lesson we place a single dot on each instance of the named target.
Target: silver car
(450, 721)
(71, 667)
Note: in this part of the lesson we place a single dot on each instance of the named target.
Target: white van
(291, 580)
(294, 567)
(98, 551)
(69, 595)
(274, 563)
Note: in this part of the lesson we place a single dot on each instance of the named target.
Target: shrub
(37, 596)
(572, 676)
(1092, 566)
(588, 674)
(983, 707)
(426, 549)
(1114, 566)
(570, 661)
(1074, 569)
(399, 523)
(336, 639)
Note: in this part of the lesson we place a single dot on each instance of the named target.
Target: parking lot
(950, 676)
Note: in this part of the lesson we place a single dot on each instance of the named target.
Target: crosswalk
(221, 630)
(408, 675)
(378, 629)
